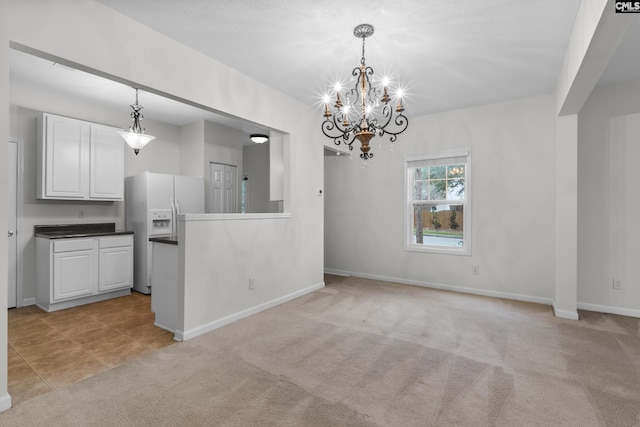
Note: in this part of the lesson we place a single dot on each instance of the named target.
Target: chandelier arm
(401, 122)
(368, 71)
(387, 113)
(343, 136)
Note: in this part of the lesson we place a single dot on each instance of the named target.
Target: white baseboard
(28, 301)
(336, 272)
(208, 327)
(461, 289)
(565, 314)
(5, 402)
(608, 309)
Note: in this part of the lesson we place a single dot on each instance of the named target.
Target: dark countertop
(68, 231)
(167, 240)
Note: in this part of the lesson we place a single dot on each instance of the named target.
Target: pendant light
(136, 138)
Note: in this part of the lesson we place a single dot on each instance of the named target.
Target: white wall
(216, 279)
(192, 149)
(608, 204)
(513, 203)
(566, 213)
(5, 399)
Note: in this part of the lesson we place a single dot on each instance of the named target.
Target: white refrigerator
(152, 201)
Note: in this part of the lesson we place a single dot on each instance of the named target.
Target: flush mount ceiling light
(364, 111)
(259, 138)
(136, 138)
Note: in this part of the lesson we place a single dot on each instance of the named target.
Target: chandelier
(364, 111)
(136, 138)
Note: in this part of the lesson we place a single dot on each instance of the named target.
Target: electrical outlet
(252, 283)
(80, 214)
(475, 270)
(617, 284)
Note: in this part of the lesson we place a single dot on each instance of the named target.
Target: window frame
(409, 163)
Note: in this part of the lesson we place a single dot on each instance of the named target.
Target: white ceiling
(447, 53)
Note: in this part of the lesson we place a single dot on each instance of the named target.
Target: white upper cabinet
(65, 158)
(78, 160)
(107, 164)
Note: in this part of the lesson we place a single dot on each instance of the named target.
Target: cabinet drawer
(116, 241)
(67, 245)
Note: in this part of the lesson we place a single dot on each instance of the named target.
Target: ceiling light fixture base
(259, 138)
(363, 31)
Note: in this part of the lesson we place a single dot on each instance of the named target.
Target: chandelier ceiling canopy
(364, 111)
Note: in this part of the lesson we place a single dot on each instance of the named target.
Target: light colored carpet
(367, 353)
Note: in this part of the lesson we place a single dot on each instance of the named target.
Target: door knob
(11, 233)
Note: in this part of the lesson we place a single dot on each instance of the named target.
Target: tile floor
(50, 350)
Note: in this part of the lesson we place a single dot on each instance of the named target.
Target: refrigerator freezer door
(159, 197)
(159, 191)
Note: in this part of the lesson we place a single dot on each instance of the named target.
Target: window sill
(437, 250)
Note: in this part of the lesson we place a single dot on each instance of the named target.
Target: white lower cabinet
(74, 268)
(116, 263)
(77, 271)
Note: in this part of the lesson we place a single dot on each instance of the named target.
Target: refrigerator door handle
(174, 229)
(176, 210)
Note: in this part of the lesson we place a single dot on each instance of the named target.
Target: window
(437, 204)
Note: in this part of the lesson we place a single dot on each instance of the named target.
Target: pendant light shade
(135, 140)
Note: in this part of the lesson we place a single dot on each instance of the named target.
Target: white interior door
(12, 212)
(229, 189)
(216, 177)
(223, 188)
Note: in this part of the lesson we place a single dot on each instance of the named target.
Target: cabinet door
(74, 274)
(66, 158)
(116, 268)
(107, 163)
